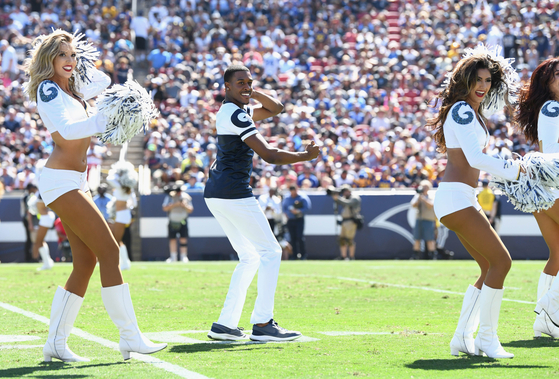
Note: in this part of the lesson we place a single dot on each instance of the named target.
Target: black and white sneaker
(223, 333)
(273, 332)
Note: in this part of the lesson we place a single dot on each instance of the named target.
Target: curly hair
(40, 66)
(461, 82)
(532, 97)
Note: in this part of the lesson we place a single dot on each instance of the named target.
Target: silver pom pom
(86, 55)
(495, 99)
(129, 110)
(532, 191)
(123, 172)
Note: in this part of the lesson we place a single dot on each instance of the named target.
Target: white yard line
(351, 280)
(396, 285)
(177, 370)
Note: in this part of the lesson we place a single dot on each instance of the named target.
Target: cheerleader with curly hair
(480, 84)
(61, 80)
(538, 118)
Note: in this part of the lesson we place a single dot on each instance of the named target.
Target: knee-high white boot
(543, 323)
(44, 252)
(549, 303)
(463, 340)
(119, 306)
(487, 340)
(124, 259)
(65, 308)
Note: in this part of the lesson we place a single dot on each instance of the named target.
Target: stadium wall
(387, 234)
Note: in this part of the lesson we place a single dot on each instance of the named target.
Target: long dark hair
(462, 81)
(532, 97)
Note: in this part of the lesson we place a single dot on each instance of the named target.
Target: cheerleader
(61, 80)
(479, 84)
(46, 221)
(123, 178)
(538, 118)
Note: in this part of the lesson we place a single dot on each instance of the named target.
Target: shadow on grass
(44, 367)
(467, 362)
(534, 342)
(219, 345)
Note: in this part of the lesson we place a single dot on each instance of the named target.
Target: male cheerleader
(229, 197)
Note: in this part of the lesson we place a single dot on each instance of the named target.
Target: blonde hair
(40, 66)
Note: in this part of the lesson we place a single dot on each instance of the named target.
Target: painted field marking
(355, 280)
(398, 286)
(177, 337)
(18, 338)
(335, 334)
(177, 370)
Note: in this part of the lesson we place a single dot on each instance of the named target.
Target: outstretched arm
(278, 156)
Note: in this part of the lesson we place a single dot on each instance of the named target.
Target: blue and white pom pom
(532, 191)
(129, 110)
(86, 55)
(495, 99)
(122, 174)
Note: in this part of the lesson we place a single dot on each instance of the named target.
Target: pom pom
(111, 209)
(123, 174)
(86, 55)
(495, 99)
(532, 191)
(129, 110)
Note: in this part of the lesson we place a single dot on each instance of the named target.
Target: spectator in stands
(102, 199)
(10, 68)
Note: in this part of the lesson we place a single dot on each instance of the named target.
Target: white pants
(249, 232)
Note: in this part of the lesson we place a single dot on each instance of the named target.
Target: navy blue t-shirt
(230, 173)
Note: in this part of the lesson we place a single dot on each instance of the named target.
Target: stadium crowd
(354, 76)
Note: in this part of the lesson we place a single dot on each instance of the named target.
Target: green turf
(312, 296)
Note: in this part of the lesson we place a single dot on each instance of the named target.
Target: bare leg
(183, 246)
(118, 230)
(173, 245)
(548, 221)
(481, 261)
(39, 240)
(88, 230)
(474, 228)
(352, 250)
(343, 251)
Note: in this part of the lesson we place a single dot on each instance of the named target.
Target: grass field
(377, 319)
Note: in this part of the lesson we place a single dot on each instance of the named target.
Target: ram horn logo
(381, 221)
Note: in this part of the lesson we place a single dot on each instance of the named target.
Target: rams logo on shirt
(553, 112)
(48, 91)
(241, 119)
(457, 115)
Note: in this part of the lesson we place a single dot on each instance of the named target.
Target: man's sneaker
(223, 333)
(273, 332)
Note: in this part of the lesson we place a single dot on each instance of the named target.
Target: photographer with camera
(178, 205)
(351, 218)
(425, 221)
(295, 206)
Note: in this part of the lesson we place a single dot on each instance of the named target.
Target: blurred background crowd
(354, 76)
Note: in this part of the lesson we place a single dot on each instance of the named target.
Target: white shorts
(123, 217)
(54, 183)
(453, 197)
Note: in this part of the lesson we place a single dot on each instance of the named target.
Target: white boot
(184, 258)
(487, 340)
(543, 323)
(124, 259)
(119, 306)
(463, 340)
(172, 258)
(65, 308)
(48, 263)
(549, 303)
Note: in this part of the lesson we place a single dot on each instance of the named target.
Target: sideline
(177, 370)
